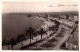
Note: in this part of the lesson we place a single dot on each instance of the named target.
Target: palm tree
(11, 42)
(41, 32)
(29, 32)
(20, 38)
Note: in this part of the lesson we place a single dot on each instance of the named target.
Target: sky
(14, 7)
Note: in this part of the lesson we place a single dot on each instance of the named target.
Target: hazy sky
(39, 6)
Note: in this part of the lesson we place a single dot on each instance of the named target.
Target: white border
(33, 1)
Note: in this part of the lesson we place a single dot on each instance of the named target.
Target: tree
(11, 42)
(30, 31)
(56, 22)
(20, 38)
(51, 28)
(56, 26)
(41, 32)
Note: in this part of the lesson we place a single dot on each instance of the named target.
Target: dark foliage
(21, 38)
(30, 31)
(11, 42)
